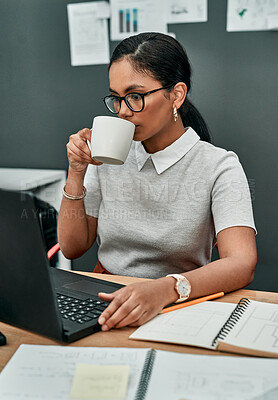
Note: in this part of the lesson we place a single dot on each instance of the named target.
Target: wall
(235, 86)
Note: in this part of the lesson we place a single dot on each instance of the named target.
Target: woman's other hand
(136, 303)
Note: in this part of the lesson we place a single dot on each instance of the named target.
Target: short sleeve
(231, 199)
(93, 198)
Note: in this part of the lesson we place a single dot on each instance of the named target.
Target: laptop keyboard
(80, 311)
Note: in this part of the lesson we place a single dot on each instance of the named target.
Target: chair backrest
(54, 249)
(48, 220)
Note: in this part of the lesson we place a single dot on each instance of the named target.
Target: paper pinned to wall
(249, 15)
(272, 21)
(89, 41)
(103, 9)
(181, 11)
(129, 17)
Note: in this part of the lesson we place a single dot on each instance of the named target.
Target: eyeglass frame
(142, 95)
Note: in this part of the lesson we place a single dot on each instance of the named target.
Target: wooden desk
(118, 337)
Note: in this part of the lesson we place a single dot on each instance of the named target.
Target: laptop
(33, 295)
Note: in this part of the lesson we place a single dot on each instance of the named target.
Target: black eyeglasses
(134, 101)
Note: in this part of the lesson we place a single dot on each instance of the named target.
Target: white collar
(167, 157)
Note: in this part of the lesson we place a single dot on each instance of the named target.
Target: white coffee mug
(111, 139)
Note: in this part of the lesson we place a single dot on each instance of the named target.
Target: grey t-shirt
(160, 213)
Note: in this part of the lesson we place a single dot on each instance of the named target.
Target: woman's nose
(124, 110)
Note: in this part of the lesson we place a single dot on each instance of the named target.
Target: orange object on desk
(192, 302)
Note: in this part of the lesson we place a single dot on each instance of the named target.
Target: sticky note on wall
(92, 382)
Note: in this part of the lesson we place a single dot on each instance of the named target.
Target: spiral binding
(145, 375)
(232, 320)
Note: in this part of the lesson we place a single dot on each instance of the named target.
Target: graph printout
(129, 17)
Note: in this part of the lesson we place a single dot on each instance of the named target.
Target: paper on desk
(181, 11)
(249, 15)
(88, 34)
(129, 17)
(99, 382)
(196, 325)
(38, 370)
(200, 377)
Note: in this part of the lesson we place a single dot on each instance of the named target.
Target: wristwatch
(182, 287)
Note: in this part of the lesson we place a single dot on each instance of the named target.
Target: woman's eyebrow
(129, 88)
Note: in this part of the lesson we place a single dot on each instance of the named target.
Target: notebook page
(46, 372)
(186, 376)
(257, 328)
(195, 325)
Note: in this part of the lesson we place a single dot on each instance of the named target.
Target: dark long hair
(166, 60)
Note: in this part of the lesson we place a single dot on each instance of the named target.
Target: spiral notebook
(49, 372)
(250, 327)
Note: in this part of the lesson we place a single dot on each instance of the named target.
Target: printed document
(181, 11)
(89, 42)
(250, 15)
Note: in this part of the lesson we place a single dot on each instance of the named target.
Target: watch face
(183, 288)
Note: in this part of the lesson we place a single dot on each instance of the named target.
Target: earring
(175, 113)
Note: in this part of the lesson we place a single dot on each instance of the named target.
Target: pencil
(192, 302)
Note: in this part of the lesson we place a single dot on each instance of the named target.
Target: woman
(161, 212)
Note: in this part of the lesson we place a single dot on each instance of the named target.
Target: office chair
(53, 250)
